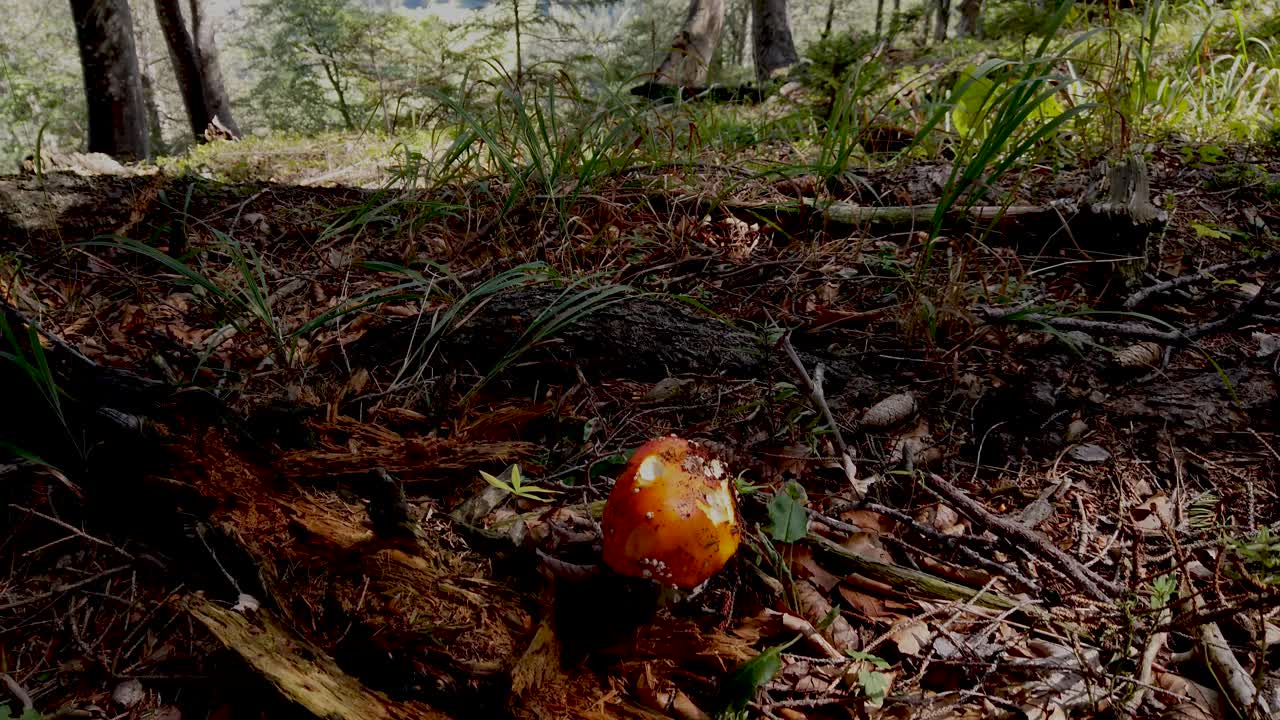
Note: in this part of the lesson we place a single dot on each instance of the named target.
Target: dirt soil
(990, 548)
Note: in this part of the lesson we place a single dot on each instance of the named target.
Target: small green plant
(871, 680)
(1260, 555)
(788, 521)
(246, 301)
(30, 358)
(1163, 590)
(28, 714)
(518, 487)
(741, 686)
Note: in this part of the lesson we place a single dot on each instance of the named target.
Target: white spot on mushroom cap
(717, 505)
(715, 469)
(650, 469)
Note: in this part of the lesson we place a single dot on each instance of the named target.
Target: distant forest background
(386, 56)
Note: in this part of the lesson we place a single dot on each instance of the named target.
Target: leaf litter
(1150, 465)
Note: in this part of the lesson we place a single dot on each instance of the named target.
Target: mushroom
(672, 516)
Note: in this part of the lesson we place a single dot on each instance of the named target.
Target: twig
(1231, 676)
(815, 392)
(951, 542)
(1232, 318)
(1130, 330)
(925, 530)
(18, 692)
(1093, 584)
(1141, 296)
(1146, 667)
(73, 529)
(63, 588)
(814, 386)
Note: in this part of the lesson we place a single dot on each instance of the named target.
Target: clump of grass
(548, 138)
(1008, 111)
(245, 300)
(576, 302)
(28, 356)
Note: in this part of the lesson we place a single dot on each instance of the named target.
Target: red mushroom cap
(672, 516)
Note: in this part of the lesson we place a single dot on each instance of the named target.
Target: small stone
(129, 693)
(1089, 453)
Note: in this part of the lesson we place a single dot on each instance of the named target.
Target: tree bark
(737, 28)
(202, 92)
(943, 11)
(771, 35)
(215, 90)
(969, 23)
(686, 65)
(112, 81)
(182, 54)
(150, 92)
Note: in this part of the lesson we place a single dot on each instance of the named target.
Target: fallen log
(638, 338)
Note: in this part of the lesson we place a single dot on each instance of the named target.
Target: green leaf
(788, 521)
(1204, 231)
(518, 487)
(875, 685)
(880, 663)
(741, 686)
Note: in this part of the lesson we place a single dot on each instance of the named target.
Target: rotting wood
(302, 672)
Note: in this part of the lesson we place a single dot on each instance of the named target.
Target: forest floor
(1072, 502)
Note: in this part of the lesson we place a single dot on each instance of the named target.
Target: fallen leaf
(942, 518)
(911, 638)
(868, 545)
(1154, 515)
(1268, 344)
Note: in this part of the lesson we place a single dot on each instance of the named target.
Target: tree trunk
(831, 16)
(771, 36)
(969, 24)
(150, 92)
(112, 82)
(737, 28)
(943, 8)
(182, 53)
(686, 64)
(215, 91)
(879, 18)
(200, 92)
